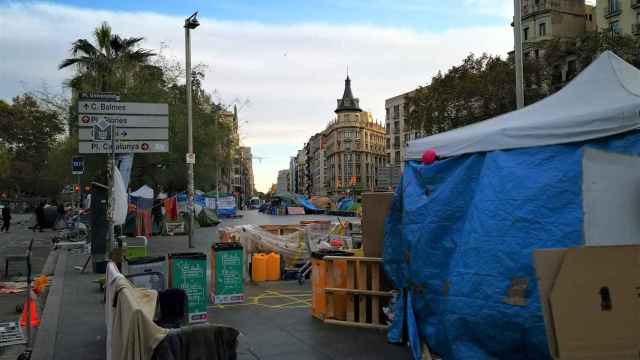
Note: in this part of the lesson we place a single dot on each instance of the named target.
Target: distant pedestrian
(39, 217)
(6, 218)
(158, 216)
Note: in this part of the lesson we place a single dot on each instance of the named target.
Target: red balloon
(429, 157)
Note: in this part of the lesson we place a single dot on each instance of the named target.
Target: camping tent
(461, 232)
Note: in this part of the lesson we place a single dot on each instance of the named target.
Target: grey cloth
(198, 342)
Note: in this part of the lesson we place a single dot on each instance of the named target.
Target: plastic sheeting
(602, 100)
(120, 198)
(306, 203)
(460, 230)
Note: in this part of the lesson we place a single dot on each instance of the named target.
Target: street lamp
(190, 23)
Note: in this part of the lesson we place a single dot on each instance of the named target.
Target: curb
(45, 343)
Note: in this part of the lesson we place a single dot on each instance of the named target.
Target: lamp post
(190, 23)
(517, 32)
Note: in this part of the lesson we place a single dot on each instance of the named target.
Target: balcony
(533, 8)
(613, 12)
(635, 29)
(635, 4)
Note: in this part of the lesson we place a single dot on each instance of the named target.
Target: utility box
(188, 271)
(227, 273)
(590, 299)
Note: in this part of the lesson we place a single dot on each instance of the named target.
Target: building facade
(315, 166)
(283, 181)
(397, 130)
(551, 19)
(246, 173)
(354, 146)
(619, 16)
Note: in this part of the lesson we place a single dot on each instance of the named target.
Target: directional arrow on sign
(124, 133)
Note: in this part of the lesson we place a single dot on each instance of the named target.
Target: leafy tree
(28, 132)
(108, 65)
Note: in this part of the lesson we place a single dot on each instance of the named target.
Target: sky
(282, 62)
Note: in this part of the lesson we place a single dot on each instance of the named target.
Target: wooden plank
(362, 285)
(360, 292)
(351, 279)
(354, 258)
(330, 310)
(375, 286)
(356, 324)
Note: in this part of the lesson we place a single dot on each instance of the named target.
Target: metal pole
(190, 186)
(517, 32)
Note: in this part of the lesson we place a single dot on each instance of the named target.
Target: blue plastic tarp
(460, 230)
(306, 203)
(345, 204)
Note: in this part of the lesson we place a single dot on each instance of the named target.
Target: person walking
(6, 218)
(39, 217)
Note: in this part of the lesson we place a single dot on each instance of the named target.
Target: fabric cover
(603, 100)
(462, 229)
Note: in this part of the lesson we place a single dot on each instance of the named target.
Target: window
(388, 143)
(396, 127)
(536, 52)
(571, 69)
(396, 141)
(396, 111)
(407, 138)
(387, 109)
(542, 29)
(614, 6)
(397, 158)
(525, 34)
(615, 27)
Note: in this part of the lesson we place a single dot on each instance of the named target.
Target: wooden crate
(363, 291)
(281, 230)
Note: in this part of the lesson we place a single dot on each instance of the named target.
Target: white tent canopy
(602, 100)
(144, 192)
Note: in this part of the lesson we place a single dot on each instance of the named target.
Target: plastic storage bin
(259, 267)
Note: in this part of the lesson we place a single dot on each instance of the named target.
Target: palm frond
(83, 46)
(103, 37)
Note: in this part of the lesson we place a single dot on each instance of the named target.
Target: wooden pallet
(363, 291)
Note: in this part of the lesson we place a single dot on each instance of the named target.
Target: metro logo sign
(85, 119)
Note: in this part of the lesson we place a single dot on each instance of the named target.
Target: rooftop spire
(348, 102)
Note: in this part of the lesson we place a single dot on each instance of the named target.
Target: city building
(547, 19)
(300, 185)
(283, 181)
(293, 173)
(315, 165)
(246, 173)
(618, 16)
(354, 148)
(397, 130)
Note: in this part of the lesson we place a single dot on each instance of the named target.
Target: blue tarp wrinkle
(460, 230)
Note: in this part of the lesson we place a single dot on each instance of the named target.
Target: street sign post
(77, 165)
(123, 147)
(95, 133)
(122, 108)
(137, 121)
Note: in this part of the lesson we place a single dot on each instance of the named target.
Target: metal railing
(635, 4)
(635, 28)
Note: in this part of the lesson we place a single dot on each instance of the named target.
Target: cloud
(502, 8)
(292, 74)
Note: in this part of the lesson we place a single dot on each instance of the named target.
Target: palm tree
(109, 64)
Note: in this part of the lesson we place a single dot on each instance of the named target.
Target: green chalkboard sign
(228, 274)
(189, 272)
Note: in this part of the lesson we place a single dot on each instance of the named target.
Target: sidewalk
(283, 329)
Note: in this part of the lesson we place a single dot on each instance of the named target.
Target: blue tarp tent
(461, 232)
(306, 203)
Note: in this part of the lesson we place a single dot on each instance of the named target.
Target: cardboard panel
(595, 304)
(375, 207)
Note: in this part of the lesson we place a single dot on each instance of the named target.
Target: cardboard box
(591, 301)
(375, 207)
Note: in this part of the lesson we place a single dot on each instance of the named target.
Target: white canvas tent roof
(603, 100)
(144, 192)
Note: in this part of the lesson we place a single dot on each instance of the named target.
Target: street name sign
(77, 165)
(141, 121)
(102, 96)
(95, 133)
(104, 147)
(122, 108)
